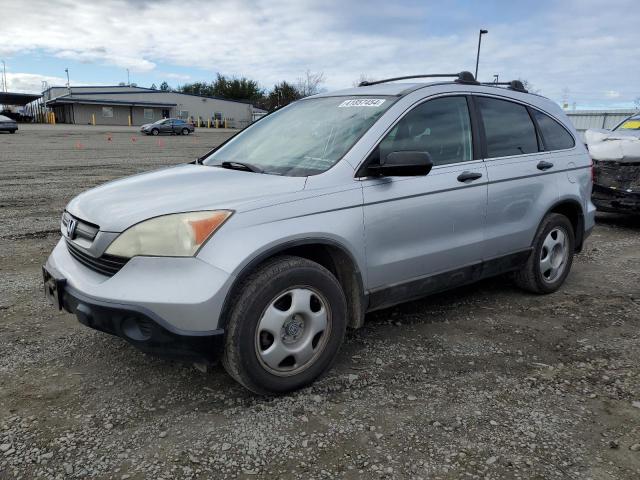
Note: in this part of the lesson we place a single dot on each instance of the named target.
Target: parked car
(269, 246)
(173, 126)
(616, 159)
(8, 124)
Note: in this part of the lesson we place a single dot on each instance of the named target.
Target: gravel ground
(481, 382)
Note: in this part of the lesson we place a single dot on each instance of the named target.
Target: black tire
(155, 132)
(257, 292)
(12, 131)
(531, 277)
(185, 131)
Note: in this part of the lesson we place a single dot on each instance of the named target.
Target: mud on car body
(268, 247)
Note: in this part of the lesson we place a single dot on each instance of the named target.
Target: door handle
(544, 165)
(467, 176)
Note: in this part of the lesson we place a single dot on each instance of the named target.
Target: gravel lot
(481, 382)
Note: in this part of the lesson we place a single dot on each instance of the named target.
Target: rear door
(522, 178)
(419, 227)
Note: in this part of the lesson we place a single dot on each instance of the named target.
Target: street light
(482, 32)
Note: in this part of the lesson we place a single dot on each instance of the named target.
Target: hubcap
(554, 254)
(292, 331)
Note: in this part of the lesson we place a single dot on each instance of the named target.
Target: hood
(146, 125)
(117, 205)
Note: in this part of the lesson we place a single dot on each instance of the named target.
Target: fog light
(136, 329)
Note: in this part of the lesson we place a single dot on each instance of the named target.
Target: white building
(124, 105)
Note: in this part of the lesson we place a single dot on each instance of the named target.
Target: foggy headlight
(175, 235)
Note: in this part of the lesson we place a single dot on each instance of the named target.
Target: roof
(65, 99)
(8, 98)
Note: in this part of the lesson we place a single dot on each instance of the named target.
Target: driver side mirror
(403, 164)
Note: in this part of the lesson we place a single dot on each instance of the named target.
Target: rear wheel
(551, 258)
(286, 326)
(12, 131)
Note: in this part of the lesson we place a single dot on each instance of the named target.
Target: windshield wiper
(241, 166)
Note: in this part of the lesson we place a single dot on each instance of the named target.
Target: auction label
(362, 102)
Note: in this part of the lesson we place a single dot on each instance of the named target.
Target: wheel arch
(572, 209)
(331, 254)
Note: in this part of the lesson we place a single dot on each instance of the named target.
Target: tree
(636, 102)
(282, 94)
(164, 86)
(236, 88)
(309, 84)
(202, 89)
(153, 86)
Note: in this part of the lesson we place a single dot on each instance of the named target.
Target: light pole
(66, 70)
(128, 82)
(482, 32)
(4, 76)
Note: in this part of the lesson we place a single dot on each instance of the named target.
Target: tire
(549, 263)
(288, 296)
(12, 131)
(155, 132)
(185, 131)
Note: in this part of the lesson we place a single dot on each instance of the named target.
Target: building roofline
(67, 99)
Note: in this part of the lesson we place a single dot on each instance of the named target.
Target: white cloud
(612, 94)
(559, 45)
(31, 83)
(176, 76)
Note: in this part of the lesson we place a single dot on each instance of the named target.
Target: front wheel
(185, 131)
(286, 326)
(155, 132)
(551, 258)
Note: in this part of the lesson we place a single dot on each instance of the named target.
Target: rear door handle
(544, 165)
(467, 176)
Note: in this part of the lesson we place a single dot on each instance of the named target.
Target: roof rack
(515, 85)
(461, 77)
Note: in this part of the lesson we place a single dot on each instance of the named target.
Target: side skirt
(389, 295)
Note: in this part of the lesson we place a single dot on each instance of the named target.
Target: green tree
(282, 94)
(236, 88)
(164, 86)
(153, 86)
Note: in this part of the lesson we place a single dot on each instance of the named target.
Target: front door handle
(467, 176)
(544, 165)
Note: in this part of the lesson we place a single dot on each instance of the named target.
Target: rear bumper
(614, 200)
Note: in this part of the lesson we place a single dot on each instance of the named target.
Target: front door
(426, 232)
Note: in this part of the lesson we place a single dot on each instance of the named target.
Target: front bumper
(615, 200)
(136, 325)
(175, 300)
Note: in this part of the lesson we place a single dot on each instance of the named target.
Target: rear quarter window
(554, 135)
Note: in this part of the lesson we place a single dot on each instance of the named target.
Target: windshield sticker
(362, 102)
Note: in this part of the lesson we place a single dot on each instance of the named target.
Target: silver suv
(271, 245)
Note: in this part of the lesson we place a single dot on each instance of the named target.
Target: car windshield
(305, 138)
(632, 123)
(158, 122)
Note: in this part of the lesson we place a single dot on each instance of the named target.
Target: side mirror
(403, 164)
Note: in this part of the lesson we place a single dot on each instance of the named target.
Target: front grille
(83, 229)
(106, 264)
(618, 175)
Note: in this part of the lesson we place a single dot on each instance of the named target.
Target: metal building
(124, 105)
(583, 120)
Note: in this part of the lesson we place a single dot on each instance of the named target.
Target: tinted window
(508, 128)
(554, 135)
(440, 127)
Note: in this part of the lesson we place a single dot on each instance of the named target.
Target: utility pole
(68, 82)
(482, 32)
(496, 78)
(128, 82)
(4, 76)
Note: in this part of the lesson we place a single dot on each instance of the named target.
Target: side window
(441, 127)
(508, 128)
(555, 136)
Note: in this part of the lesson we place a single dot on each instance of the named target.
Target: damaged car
(616, 166)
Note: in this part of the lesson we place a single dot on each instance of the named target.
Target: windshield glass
(305, 138)
(632, 123)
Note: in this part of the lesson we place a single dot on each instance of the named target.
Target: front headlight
(175, 235)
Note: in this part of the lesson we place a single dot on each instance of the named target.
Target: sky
(583, 51)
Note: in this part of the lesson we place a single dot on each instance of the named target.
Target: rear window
(508, 128)
(554, 135)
